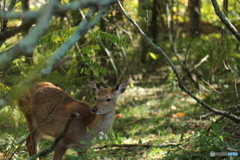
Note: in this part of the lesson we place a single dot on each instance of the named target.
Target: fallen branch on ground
(233, 150)
(139, 145)
(227, 109)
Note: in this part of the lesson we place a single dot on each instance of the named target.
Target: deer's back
(51, 107)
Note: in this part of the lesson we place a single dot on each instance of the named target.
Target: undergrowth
(159, 120)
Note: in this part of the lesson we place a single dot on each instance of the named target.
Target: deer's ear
(119, 89)
(95, 86)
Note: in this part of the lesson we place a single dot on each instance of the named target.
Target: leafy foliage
(4, 88)
(109, 37)
(56, 38)
(154, 111)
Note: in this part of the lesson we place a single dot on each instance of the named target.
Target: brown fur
(47, 109)
(102, 92)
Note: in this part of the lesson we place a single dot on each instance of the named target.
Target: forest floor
(154, 120)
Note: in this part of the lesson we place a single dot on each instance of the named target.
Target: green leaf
(83, 142)
(4, 88)
(215, 128)
(89, 131)
(109, 37)
(197, 155)
(78, 149)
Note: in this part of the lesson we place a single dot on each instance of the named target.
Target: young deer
(47, 109)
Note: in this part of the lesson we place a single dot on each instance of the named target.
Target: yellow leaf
(152, 55)
(174, 9)
(174, 58)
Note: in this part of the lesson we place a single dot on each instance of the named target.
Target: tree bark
(194, 17)
(144, 7)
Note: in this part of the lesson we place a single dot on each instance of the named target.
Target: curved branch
(21, 15)
(43, 16)
(8, 34)
(225, 20)
(46, 68)
(29, 42)
(5, 21)
(180, 83)
(139, 145)
(31, 17)
(74, 5)
(82, 29)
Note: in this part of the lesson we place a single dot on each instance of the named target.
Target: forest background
(183, 99)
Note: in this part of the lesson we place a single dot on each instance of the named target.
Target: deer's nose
(94, 109)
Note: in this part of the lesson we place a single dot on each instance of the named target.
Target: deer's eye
(108, 99)
(95, 98)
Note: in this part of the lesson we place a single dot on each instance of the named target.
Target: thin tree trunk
(194, 17)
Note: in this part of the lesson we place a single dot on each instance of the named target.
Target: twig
(210, 126)
(210, 86)
(180, 83)
(227, 109)
(189, 71)
(225, 20)
(61, 62)
(28, 43)
(8, 34)
(139, 145)
(109, 55)
(54, 144)
(199, 64)
(82, 29)
(233, 150)
(5, 21)
(43, 16)
(182, 64)
(46, 68)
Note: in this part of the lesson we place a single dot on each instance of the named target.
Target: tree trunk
(194, 17)
(144, 7)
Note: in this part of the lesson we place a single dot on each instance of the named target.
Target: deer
(47, 109)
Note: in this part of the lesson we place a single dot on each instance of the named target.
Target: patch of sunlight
(155, 153)
(191, 100)
(132, 141)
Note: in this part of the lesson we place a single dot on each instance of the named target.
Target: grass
(160, 115)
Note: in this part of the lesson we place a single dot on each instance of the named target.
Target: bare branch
(230, 109)
(82, 29)
(180, 83)
(61, 62)
(8, 34)
(75, 5)
(5, 21)
(25, 5)
(43, 16)
(46, 68)
(21, 15)
(28, 43)
(140, 145)
(225, 20)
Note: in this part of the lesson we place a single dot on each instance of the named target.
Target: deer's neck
(103, 123)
